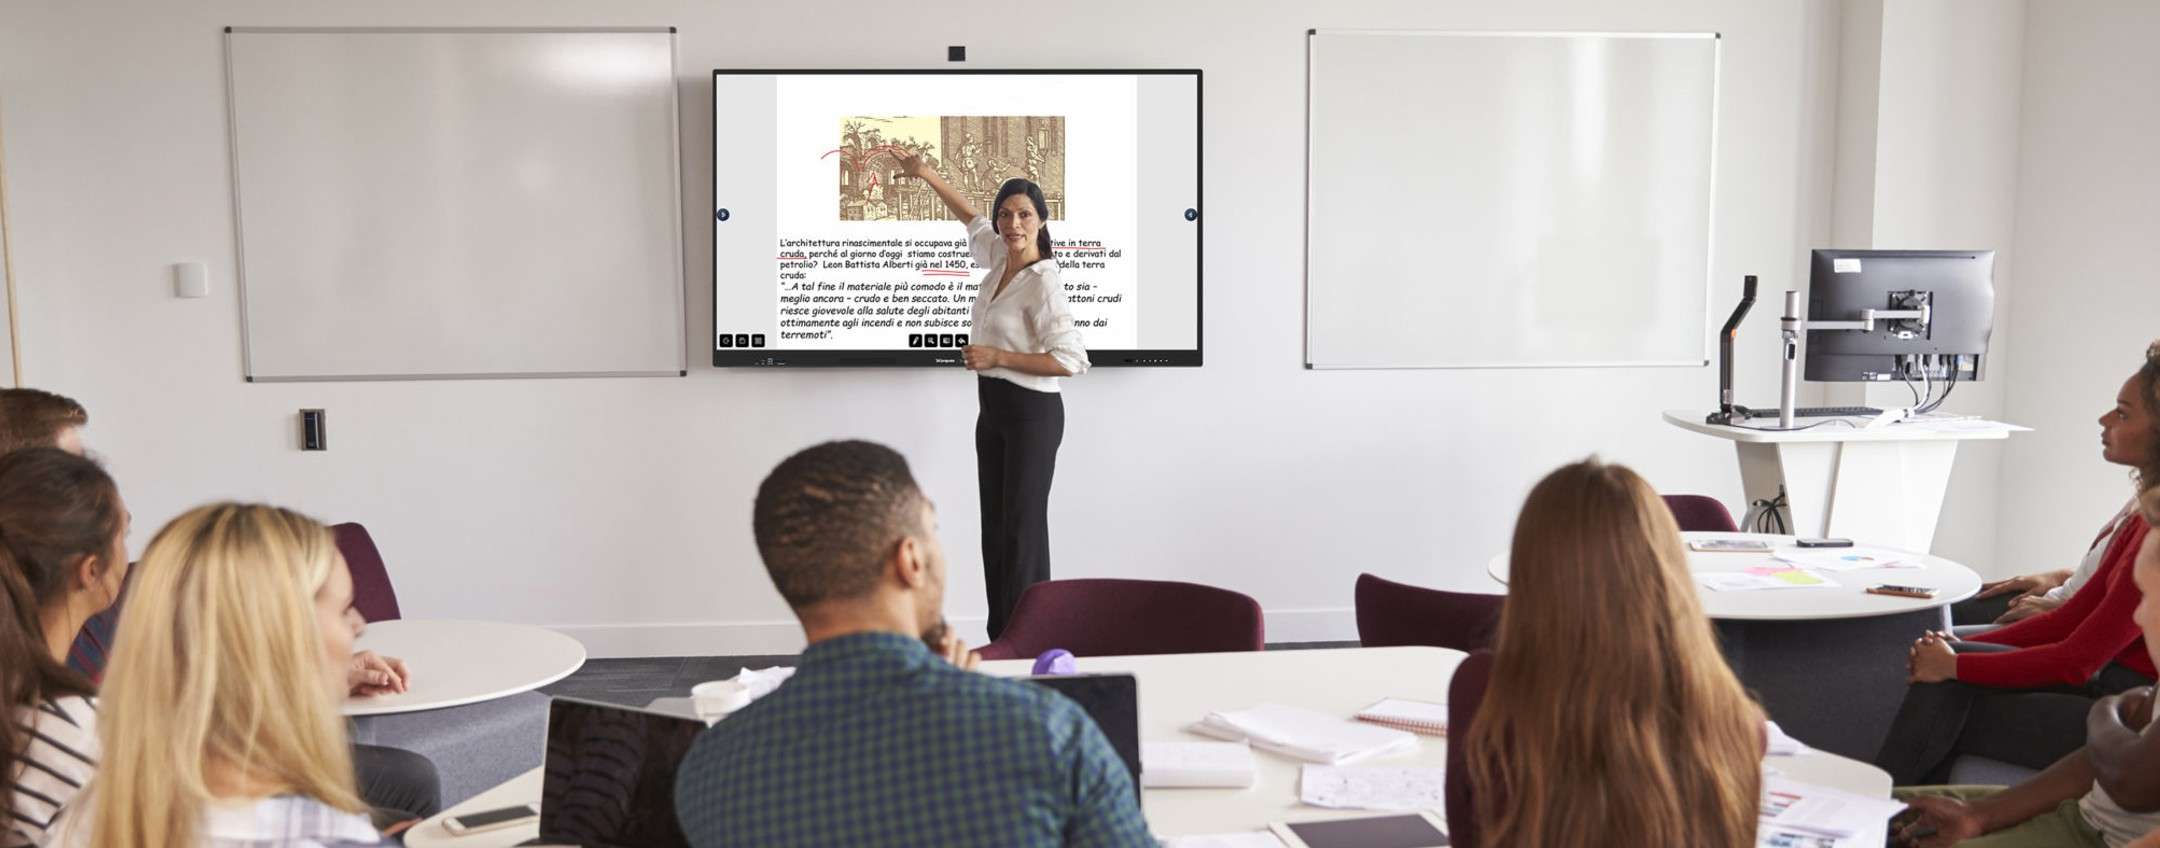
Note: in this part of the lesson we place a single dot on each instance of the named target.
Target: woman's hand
(2027, 606)
(1942, 822)
(2025, 585)
(912, 164)
(982, 357)
(372, 674)
(1931, 660)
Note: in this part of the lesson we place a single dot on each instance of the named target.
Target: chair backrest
(1109, 617)
(373, 595)
(1391, 614)
(1701, 513)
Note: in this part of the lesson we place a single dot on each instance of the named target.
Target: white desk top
(1847, 599)
(1178, 690)
(1920, 430)
(465, 662)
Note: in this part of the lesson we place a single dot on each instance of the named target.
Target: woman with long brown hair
(1604, 714)
(63, 553)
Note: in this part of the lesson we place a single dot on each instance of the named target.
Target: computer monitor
(1955, 287)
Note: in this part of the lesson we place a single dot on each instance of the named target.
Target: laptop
(1113, 701)
(610, 776)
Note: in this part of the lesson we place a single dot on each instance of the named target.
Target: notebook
(1423, 717)
(1306, 735)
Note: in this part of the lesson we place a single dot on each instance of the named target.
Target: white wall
(2090, 301)
(1945, 163)
(620, 508)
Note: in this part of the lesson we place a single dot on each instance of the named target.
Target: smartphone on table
(487, 820)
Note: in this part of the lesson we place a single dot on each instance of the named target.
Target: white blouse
(1029, 317)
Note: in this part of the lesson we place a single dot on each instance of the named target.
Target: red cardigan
(2070, 644)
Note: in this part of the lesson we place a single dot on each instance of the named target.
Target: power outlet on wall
(314, 432)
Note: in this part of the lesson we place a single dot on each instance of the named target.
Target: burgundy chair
(373, 595)
(1391, 614)
(1107, 617)
(1701, 513)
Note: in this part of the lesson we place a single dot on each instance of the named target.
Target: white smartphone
(1406, 830)
(487, 820)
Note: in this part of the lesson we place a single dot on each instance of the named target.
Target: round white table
(1177, 690)
(1847, 599)
(1827, 662)
(465, 662)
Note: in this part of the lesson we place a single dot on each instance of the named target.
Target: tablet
(1404, 830)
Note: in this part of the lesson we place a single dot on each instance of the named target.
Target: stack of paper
(1781, 745)
(1226, 765)
(1415, 716)
(1803, 815)
(1374, 788)
(1306, 735)
(1764, 577)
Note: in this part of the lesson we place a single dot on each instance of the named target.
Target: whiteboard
(1509, 199)
(417, 204)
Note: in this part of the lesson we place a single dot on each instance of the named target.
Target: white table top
(1847, 599)
(1917, 430)
(465, 662)
(1177, 690)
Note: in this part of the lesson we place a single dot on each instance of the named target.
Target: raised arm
(913, 165)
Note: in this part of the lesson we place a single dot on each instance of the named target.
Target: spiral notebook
(1415, 716)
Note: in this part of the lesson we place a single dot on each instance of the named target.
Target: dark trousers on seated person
(1980, 610)
(399, 784)
(2032, 728)
(2062, 827)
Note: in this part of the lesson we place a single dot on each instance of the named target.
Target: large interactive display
(824, 253)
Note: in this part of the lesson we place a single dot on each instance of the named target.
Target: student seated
(63, 553)
(878, 738)
(398, 783)
(220, 720)
(2019, 693)
(34, 418)
(2129, 436)
(1604, 714)
(2106, 793)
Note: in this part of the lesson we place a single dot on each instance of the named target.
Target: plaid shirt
(878, 742)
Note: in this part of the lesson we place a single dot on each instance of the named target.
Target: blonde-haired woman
(1604, 715)
(220, 710)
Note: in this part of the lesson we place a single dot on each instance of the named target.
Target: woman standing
(1022, 345)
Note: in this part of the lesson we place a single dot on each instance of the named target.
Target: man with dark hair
(877, 739)
(34, 418)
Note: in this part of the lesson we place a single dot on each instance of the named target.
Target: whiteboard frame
(232, 135)
(1717, 76)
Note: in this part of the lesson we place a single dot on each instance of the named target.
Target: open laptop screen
(610, 776)
(1113, 701)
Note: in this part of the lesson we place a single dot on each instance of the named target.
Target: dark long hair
(1034, 194)
(55, 509)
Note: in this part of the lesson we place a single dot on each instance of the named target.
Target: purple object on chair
(1701, 513)
(1391, 614)
(373, 595)
(1109, 617)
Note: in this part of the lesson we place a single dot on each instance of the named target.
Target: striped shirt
(61, 753)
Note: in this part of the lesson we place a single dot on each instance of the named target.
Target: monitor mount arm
(1793, 326)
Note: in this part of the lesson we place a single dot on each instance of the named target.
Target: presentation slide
(824, 253)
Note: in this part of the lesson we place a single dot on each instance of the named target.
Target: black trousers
(1017, 434)
(398, 783)
(1976, 611)
(2026, 727)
